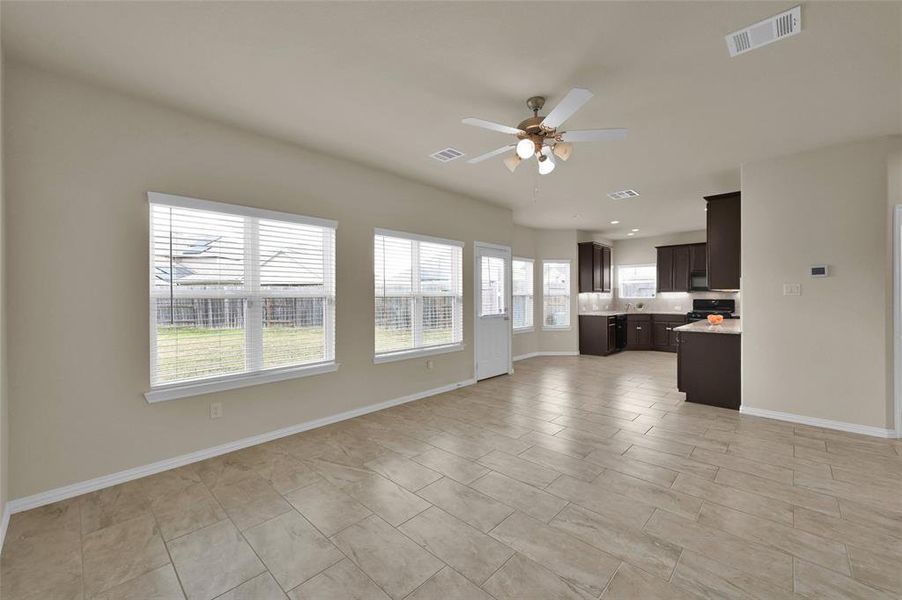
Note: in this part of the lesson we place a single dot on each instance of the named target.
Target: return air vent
(765, 32)
(447, 155)
(623, 194)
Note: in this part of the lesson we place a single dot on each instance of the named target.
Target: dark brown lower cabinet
(638, 332)
(664, 337)
(597, 335)
(708, 368)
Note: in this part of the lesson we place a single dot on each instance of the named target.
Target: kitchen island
(709, 363)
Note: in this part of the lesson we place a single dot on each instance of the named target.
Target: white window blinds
(419, 293)
(493, 298)
(522, 288)
(236, 290)
(556, 281)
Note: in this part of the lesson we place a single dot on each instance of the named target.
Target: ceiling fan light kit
(539, 136)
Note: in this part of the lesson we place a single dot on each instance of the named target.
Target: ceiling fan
(539, 136)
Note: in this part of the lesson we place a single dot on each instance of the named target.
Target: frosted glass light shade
(525, 148)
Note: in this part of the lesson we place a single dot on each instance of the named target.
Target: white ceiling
(387, 84)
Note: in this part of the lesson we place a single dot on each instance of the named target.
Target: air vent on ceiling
(623, 194)
(764, 32)
(447, 155)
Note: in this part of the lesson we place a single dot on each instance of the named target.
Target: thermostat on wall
(819, 271)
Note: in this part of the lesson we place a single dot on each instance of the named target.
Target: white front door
(493, 299)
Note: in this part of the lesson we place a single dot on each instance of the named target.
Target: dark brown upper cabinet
(724, 267)
(665, 268)
(594, 267)
(698, 258)
(674, 268)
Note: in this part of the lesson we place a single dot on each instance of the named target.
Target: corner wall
(828, 353)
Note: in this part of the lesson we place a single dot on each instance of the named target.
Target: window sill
(408, 354)
(524, 330)
(567, 328)
(231, 382)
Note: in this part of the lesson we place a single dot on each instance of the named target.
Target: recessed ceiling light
(615, 222)
(631, 234)
(634, 230)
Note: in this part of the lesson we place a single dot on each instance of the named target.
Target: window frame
(620, 293)
(569, 325)
(458, 311)
(532, 296)
(216, 383)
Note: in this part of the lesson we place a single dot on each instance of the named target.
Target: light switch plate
(792, 289)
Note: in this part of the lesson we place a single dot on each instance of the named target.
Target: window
(237, 292)
(556, 278)
(637, 281)
(419, 295)
(493, 296)
(521, 276)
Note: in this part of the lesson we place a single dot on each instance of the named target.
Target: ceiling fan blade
(571, 103)
(489, 155)
(593, 135)
(490, 125)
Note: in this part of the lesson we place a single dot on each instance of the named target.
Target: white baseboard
(817, 422)
(91, 485)
(4, 523)
(534, 354)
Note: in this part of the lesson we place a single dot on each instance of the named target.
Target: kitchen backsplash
(663, 302)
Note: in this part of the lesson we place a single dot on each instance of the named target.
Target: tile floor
(574, 478)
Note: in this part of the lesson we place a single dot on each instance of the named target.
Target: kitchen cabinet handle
(612, 324)
(669, 328)
(638, 327)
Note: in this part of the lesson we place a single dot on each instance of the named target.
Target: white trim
(232, 382)
(417, 353)
(897, 318)
(818, 422)
(529, 329)
(91, 485)
(562, 328)
(236, 209)
(416, 236)
(4, 523)
(535, 354)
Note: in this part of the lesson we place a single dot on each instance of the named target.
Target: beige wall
(4, 412)
(79, 161)
(826, 353)
(541, 244)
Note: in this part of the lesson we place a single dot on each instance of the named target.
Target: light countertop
(729, 326)
(614, 313)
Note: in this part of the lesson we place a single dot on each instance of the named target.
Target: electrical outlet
(792, 289)
(430, 364)
(215, 410)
